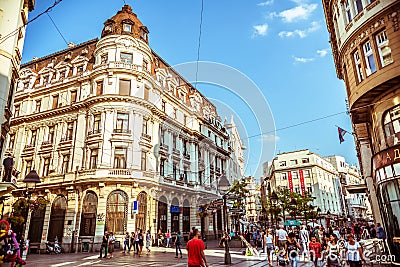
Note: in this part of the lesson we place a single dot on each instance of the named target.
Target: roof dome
(125, 22)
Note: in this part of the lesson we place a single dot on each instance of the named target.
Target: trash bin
(117, 245)
(85, 246)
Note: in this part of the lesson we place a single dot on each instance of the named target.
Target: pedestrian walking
(333, 252)
(178, 243)
(315, 249)
(354, 252)
(195, 248)
(304, 240)
(126, 242)
(132, 242)
(104, 245)
(269, 245)
(380, 231)
(111, 241)
(372, 231)
(281, 237)
(168, 237)
(140, 243)
(137, 242)
(148, 241)
(160, 238)
(291, 249)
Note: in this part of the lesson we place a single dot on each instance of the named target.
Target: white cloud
(303, 59)
(322, 52)
(260, 30)
(271, 15)
(266, 3)
(301, 33)
(270, 138)
(301, 12)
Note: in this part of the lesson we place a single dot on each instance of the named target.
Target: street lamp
(223, 188)
(328, 219)
(318, 212)
(274, 201)
(293, 204)
(31, 180)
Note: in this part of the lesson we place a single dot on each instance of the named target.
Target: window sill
(372, 5)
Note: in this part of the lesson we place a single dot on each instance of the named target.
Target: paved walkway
(157, 257)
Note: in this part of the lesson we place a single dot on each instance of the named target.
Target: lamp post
(293, 204)
(328, 219)
(318, 212)
(223, 188)
(31, 180)
(274, 201)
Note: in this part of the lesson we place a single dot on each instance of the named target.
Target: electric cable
(199, 41)
(58, 30)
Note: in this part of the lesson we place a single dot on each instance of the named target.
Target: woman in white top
(333, 251)
(269, 244)
(354, 252)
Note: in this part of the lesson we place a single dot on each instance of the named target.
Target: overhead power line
(62, 36)
(14, 32)
(199, 42)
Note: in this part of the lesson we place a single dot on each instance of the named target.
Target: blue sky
(281, 45)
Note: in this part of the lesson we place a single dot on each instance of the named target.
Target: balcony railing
(94, 131)
(66, 139)
(45, 143)
(176, 151)
(29, 146)
(146, 136)
(120, 172)
(125, 131)
(186, 156)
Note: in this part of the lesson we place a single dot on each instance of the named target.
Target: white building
(304, 171)
(107, 123)
(355, 205)
(13, 17)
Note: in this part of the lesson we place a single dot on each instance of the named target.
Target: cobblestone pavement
(157, 257)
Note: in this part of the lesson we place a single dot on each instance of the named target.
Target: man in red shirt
(195, 248)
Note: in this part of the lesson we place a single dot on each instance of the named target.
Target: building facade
(304, 172)
(364, 35)
(356, 206)
(120, 140)
(13, 18)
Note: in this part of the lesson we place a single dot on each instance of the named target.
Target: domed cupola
(125, 22)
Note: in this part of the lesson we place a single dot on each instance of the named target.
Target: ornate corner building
(120, 140)
(365, 40)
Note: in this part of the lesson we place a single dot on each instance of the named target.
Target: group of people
(134, 241)
(333, 245)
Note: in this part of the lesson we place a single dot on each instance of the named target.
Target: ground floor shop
(80, 216)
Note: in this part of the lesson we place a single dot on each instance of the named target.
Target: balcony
(164, 150)
(94, 131)
(120, 172)
(176, 154)
(47, 144)
(146, 137)
(186, 159)
(29, 147)
(122, 131)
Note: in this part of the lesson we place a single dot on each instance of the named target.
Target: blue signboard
(175, 209)
(135, 207)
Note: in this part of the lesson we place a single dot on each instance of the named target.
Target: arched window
(57, 218)
(186, 216)
(162, 214)
(89, 213)
(117, 211)
(36, 225)
(175, 212)
(391, 125)
(142, 212)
